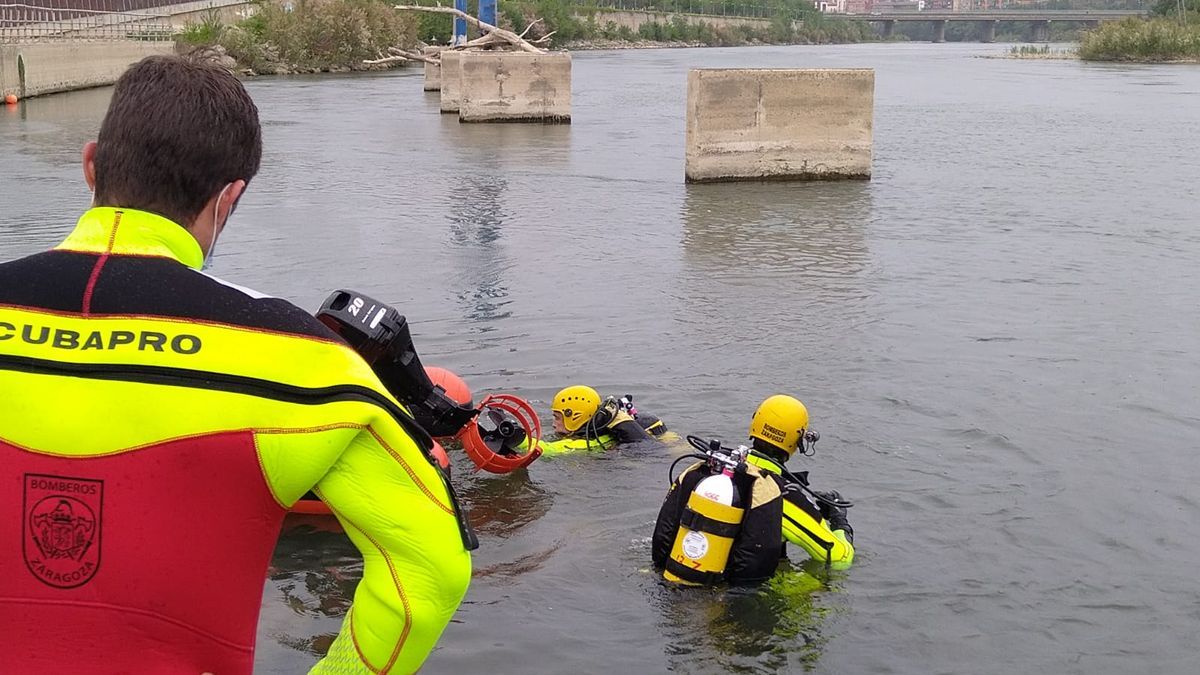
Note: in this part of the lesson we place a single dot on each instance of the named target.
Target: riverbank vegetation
(971, 31)
(783, 22)
(295, 36)
(1042, 52)
(1173, 34)
(581, 24)
(304, 35)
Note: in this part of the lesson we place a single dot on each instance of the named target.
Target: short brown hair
(176, 132)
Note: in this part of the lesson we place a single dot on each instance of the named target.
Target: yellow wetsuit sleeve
(815, 537)
(563, 446)
(395, 508)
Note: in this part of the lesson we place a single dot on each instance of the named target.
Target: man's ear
(224, 207)
(89, 164)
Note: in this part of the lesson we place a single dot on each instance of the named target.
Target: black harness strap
(697, 521)
(694, 576)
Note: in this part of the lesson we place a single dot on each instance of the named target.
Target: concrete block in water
(433, 71)
(516, 86)
(810, 124)
(451, 80)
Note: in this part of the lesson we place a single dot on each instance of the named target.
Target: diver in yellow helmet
(815, 521)
(699, 541)
(583, 420)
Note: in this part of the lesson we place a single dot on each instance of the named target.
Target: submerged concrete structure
(433, 71)
(515, 86)
(812, 124)
(451, 80)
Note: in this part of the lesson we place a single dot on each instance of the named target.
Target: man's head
(181, 139)
(779, 423)
(573, 407)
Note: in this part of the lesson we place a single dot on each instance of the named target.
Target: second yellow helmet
(577, 405)
(780, 420)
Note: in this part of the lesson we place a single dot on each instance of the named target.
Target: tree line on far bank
(575, 22)
(325, 35)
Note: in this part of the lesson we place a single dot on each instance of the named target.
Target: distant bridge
(1040, 18)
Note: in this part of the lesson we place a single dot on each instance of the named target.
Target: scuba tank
(710, 522)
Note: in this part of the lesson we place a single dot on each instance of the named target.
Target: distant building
(830, 6)
(860, 6)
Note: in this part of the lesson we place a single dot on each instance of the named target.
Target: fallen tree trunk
(506, 35)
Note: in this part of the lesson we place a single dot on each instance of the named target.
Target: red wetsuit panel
(144, 561)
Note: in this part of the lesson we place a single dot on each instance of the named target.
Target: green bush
(206, 32)
(308, 34)
(1140, 40)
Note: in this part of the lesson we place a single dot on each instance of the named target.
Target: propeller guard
(490, 459)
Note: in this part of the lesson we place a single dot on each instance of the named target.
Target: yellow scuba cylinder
(708, 525)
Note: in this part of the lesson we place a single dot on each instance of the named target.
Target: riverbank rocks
(809, 124)
(215, 54)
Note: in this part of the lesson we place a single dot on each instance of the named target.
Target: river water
(996, 337)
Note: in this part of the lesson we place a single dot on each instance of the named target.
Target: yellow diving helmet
(577, 405)
(780, 421)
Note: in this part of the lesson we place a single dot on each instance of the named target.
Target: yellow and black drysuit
(778, 506)
(754, 554)
(610, 426)
(156, 423)
(816, 526)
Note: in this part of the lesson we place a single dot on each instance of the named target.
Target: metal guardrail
(29, 22)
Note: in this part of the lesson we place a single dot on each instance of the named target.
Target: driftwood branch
(413, 54)
(528, 28)
(398, 55)
(492, 40)
(507, 35)
(386, 60)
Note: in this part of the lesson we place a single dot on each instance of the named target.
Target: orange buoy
(455, 387)
(439, 455)
(11, 99)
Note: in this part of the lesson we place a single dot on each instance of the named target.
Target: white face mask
(212, 244)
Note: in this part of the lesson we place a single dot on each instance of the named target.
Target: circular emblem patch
(695, 545)
(62, 529)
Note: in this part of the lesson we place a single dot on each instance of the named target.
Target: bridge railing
(24, 22)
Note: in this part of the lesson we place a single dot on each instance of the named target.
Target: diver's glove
(826, 497)
(836, 515)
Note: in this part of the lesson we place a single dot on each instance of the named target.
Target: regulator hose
(704, 446)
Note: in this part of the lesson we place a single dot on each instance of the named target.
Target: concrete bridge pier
(776, 124)
(988, 32)
(939, 31)
(433, 71)
(887, 29)
(1041, 31)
